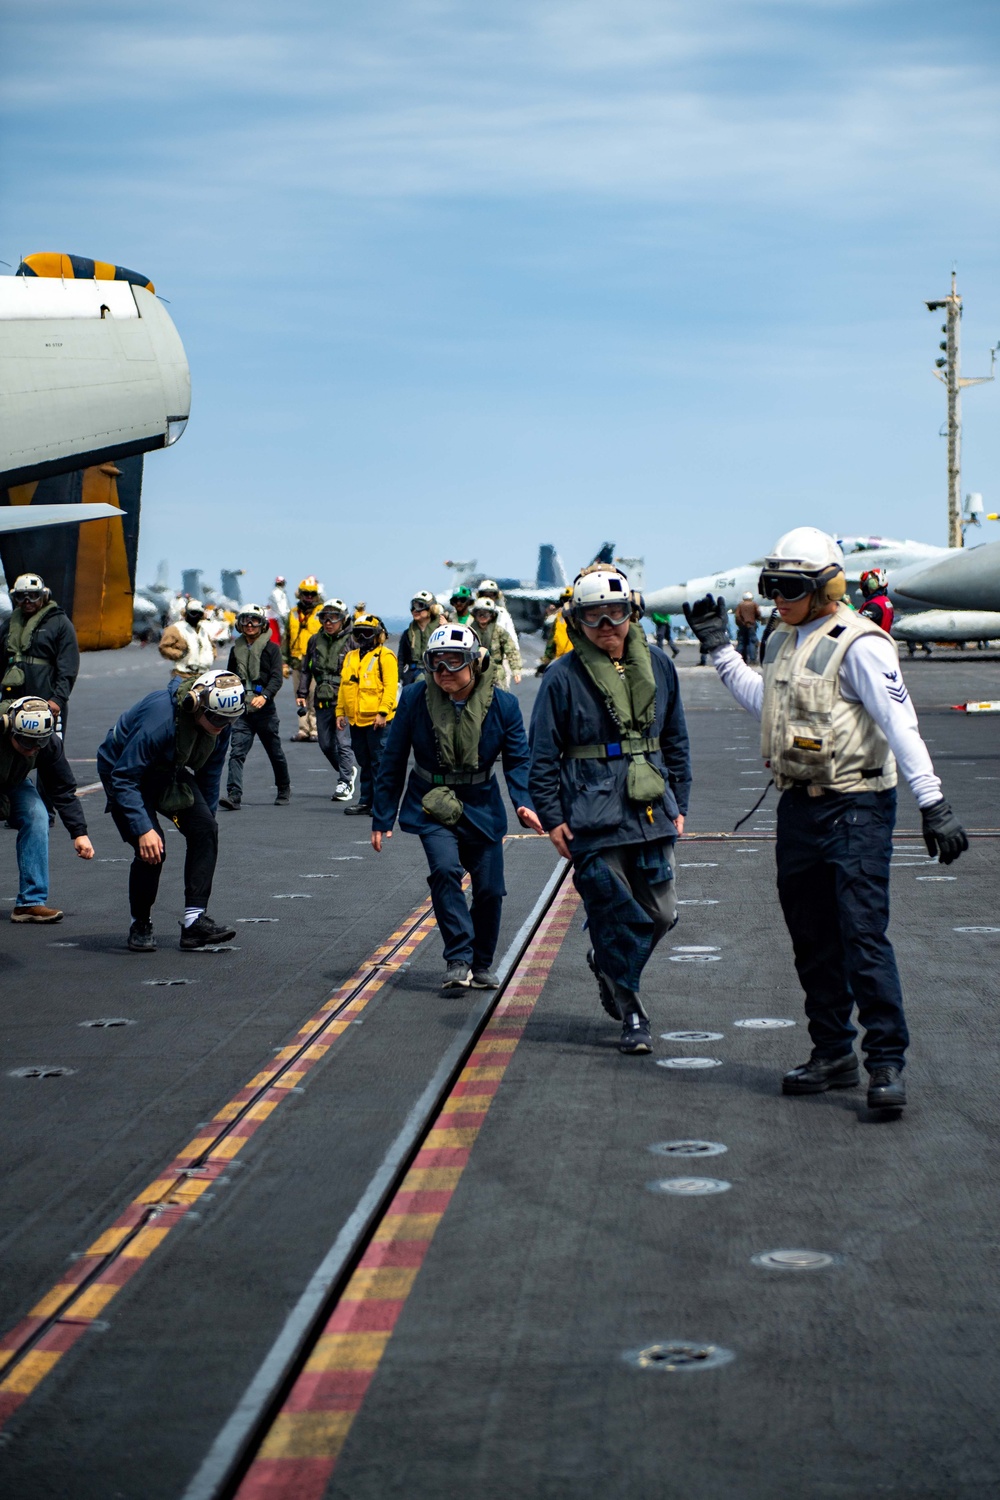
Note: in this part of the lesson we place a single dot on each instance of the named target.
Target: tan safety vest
(810, 733)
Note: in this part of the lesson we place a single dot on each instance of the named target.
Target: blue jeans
(469, 937)
(833, 883)
(30, 817)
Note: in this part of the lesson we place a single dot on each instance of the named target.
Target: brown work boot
(36, 914)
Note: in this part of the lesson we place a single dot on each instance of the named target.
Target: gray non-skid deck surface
(504, 1376)
(877, 1376)
(131, 1412)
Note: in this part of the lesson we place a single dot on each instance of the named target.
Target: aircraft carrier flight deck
(283, 1220)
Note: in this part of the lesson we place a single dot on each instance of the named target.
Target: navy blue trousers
(833, 883)
(470, 937)
(367, 742)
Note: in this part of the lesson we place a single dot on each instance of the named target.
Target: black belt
(453, 778)
(813, 789)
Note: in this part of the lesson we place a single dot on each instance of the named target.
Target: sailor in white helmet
(165, 756)
(187, 644)
(458, 723)
(489, 589)
(28, 742)
(836, 721)
(610, 777)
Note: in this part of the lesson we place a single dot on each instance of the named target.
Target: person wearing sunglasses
(610, 777)
(458, 723)
(165, 756)
(836, 722)
(28, 742)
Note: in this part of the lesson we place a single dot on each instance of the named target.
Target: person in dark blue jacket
(165, 755)
(610, 777)
(458, 723)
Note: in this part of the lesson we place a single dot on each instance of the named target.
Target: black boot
(230, 803)
(604, 988)
(284, 796)
(822, 1073)
(203, 932)
(359, 810)
(886, 1089)
(140, 938)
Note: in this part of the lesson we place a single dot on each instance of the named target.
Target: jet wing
(27, 517)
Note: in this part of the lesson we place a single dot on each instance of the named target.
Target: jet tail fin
(90, 568)
(551, 573)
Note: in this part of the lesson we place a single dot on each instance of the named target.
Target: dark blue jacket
(502, 737)
(589, 795)
(143, 741)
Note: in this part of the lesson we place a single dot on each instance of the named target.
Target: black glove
(708, 619)
(943, 833)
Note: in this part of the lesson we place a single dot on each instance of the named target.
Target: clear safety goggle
(614, 612)
(418, 604)
(791, 586)
(26, 596)
(447, 661)
(31, 743)
(219, 721)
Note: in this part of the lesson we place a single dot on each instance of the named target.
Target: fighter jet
(909, 566)
(526, 599)
(860, 554)
(964, 579)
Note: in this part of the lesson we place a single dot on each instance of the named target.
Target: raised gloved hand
(943, 833)
(708, 619)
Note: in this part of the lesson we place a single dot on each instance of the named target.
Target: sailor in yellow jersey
(300, 627)
(366, 700)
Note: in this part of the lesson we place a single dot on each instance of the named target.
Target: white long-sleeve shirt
(870, 675)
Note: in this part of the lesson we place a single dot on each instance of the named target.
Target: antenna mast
(949, 372)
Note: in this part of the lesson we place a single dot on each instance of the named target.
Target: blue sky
(456, 279)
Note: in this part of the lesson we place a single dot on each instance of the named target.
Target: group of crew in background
(606, 772)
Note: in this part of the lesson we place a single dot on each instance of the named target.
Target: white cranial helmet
(31, 719)
(488, 586)
(602, 586)
(28, 583)
(804, 550)
(333, 609)
(485, 603)
(451, 640)
(254, 612)
(220, 693)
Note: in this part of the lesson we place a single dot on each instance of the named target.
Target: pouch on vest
(441, 804)
(13, 677)
(175, 798)
(645, 783)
